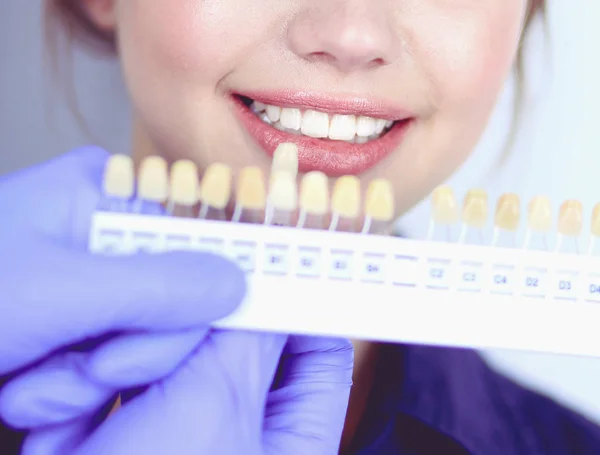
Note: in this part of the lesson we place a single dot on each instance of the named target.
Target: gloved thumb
(306, 409)
(69, 296)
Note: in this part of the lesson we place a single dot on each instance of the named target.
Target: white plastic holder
(387, 289)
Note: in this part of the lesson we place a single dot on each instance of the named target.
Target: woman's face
(341, 70)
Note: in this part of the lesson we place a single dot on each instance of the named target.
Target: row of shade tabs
(508, 213)
(180, 185)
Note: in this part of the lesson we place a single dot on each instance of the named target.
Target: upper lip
(330, 103)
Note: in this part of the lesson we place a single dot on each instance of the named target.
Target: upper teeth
(322, 125)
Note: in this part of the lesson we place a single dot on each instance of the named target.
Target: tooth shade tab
(285, 158)
(475, 208)
(119, 177)
(215, 187)
(508, 212)
(345, 201)
(283, 192)
(379, 200)
(595, 229)
(444, 206)
(251, 191)
(153, 179)
(184, 183)
(314, 193)
(539, 214)
(570, 218)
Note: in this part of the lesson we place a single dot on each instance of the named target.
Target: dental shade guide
(388, 288)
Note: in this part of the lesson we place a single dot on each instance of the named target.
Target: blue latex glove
(54, 294)
(220, 401)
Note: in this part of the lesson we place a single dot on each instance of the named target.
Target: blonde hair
(69, 16)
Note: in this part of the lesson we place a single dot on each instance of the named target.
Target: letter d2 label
(532, 282)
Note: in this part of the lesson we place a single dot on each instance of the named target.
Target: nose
(348, 34)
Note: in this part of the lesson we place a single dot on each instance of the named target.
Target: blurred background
(557, 152)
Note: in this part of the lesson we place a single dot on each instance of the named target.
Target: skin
(445, 61)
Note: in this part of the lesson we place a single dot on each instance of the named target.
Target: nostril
(347, 63)
(321, 57)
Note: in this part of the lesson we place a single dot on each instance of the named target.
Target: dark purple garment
(438, 401)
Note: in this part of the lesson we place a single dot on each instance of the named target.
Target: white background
(558, 152)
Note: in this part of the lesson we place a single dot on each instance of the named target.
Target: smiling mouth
(353, 129)
(337, 136)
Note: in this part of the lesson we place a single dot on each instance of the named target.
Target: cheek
(469, 62)
(464, 57)
(199, 41)
(174, 54)
(160, 39)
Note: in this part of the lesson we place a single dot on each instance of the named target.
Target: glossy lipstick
(334, 158)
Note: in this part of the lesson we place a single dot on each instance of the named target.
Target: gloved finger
(134, 360)
(74, 384)
(54, 392)
(213, 403)
(142, 292)
(306, 412)
(57, 440)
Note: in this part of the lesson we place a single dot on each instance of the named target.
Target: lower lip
(334, 158)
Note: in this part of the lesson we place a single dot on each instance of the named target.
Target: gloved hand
(145, 315)
(54, 293)
(219, 401)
